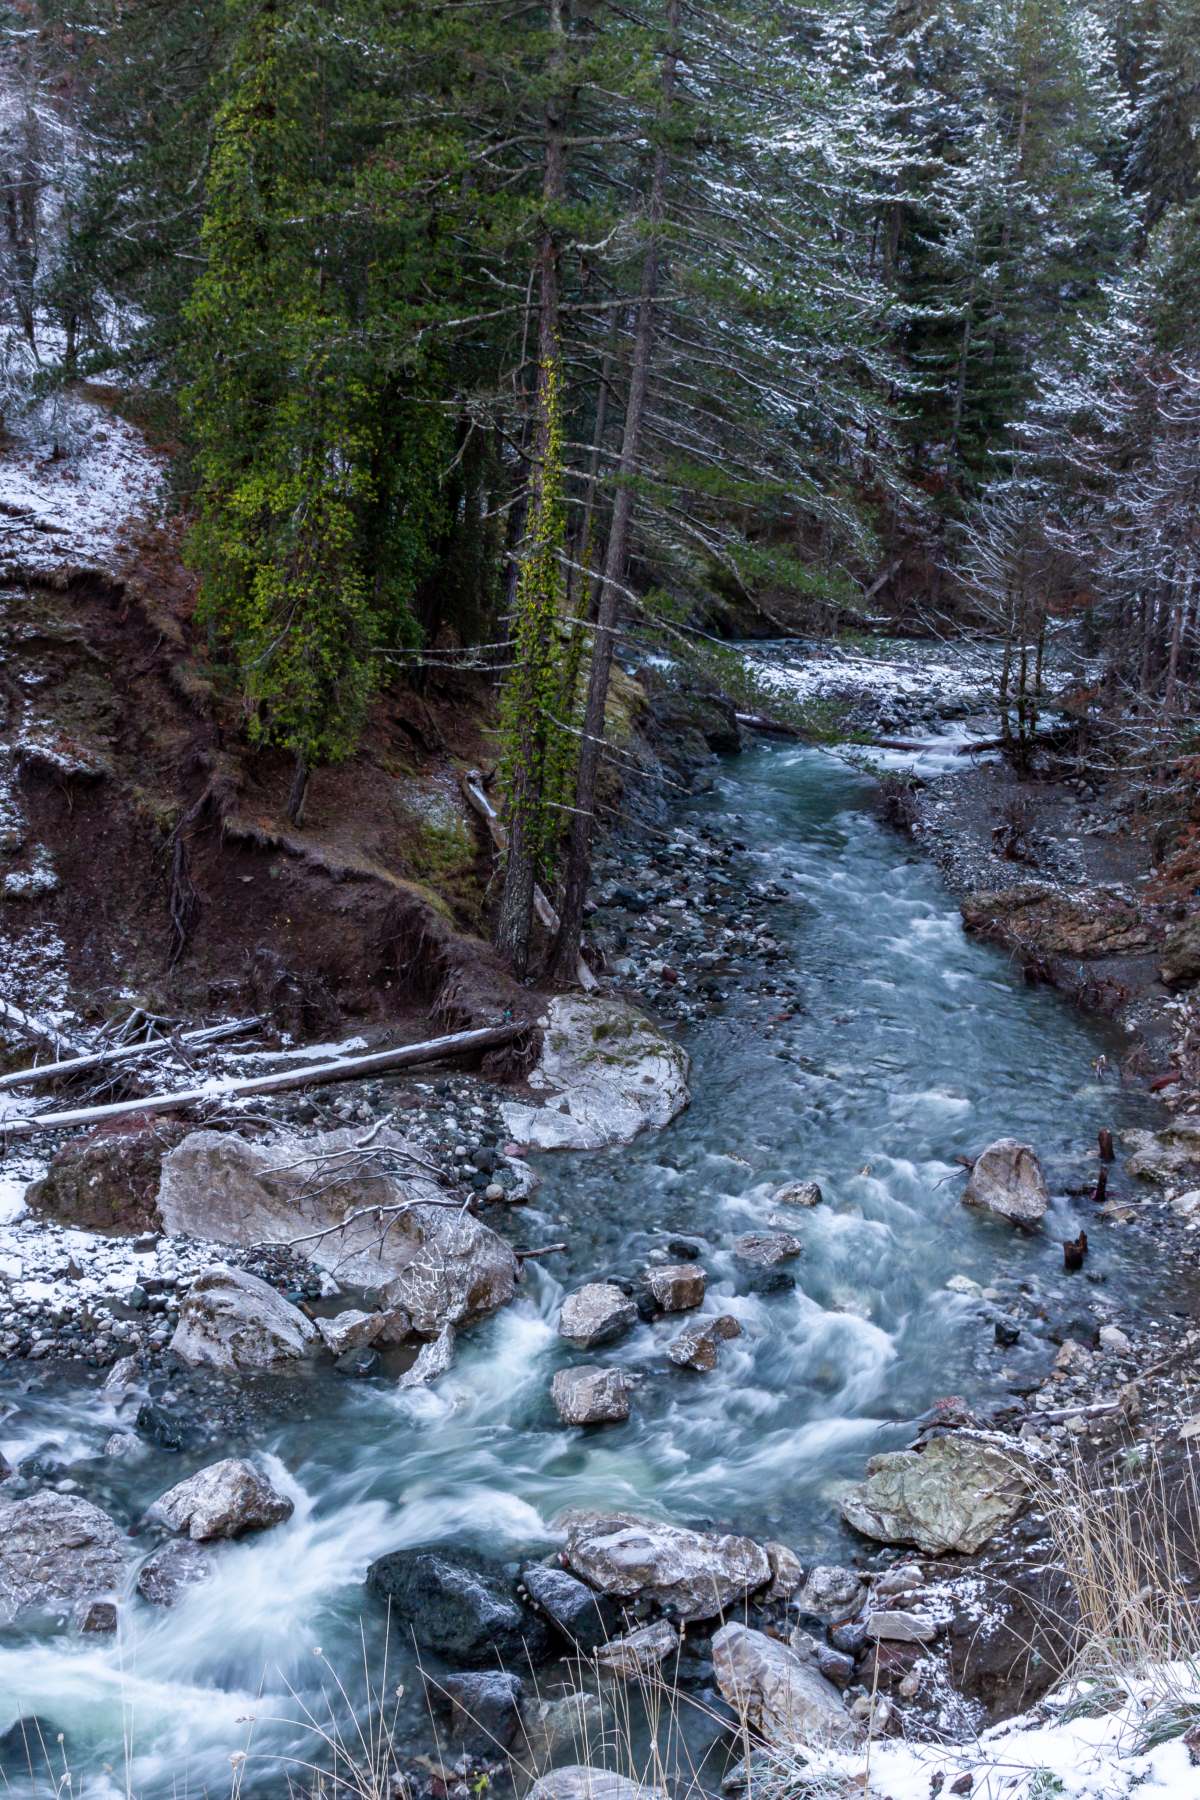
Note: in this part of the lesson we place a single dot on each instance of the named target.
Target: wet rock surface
(695, 1575)
(698, 1344)
(461, 1605)
(57, 1551)
(954, 1495)
(782, 1698)
(598, 1313)
(232, 1321)
(170, 1570)
(1007, 1181)
(225, 1500)
(590, 1395)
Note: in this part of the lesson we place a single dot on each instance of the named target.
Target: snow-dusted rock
(1007, 1180)
(1164, 1155)
(699, 1343)
(955, 1494)
(435, 1261)
(433, 1359)
(696, 1574)
(57, 1552)
(797, 1193)
(675, 1287)
(171, 1569)
(225, 1500)
(590, 1395)
(780, 1696)
(232, 1321)
(639, 1652)
(831, 1592)
(351, 1330)
(605, 1074)
(596, 1314)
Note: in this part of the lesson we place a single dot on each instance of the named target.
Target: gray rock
(596, 1314)
(676, 1287)
(797, 1193)
(225, 1500)
(954, 1495)
(56, 1551)
(484, 1708)
(605, 1073)
(433, 1359)
(780, 1696)
(900, 1627)
(764, 1249)
(582, 1615)
(579, 1781)
(694, 1574)
(1007, 1180)
(95, 1618)
(787, 1571)
(351, 1330)
(698, 1344)
(234, 1322)
(436, 1262)
(831, 1592)
(1164, 1155)
(458, 1604)
(1180, 965)
(559, 1725)
(123, 1374)
(171, 1569)
(590, 1395)
(638, 1652)
(902, 1579)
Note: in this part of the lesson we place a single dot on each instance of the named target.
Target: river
(912, 1044)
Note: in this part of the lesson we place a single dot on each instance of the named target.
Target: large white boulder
(955, 1494)
(232, 1321)
(605, 1073)
(1007, 1180)
(697, 1574)
(225, 1500)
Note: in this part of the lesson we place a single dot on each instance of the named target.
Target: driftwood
(472, 787)
(772, 727)
(41, 1031)
(346, 1068)
(103, 1059)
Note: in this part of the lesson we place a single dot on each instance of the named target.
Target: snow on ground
(1084, 1743)
(73, 476)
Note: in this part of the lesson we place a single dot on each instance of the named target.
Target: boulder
(234, 1322)
(897, 1627)
(484, 1708)
(171, 1569)
(787, 1571)
(764, 1249)
(1180, 966)
(436, 1262)
(693, 1574)
(586, 1618)
(1047, 922)
(638, 1652)
(458, 1604)
(953, 1495)
(433, 1359)
(675, 1287)
(108, 1181)
(590, 1395)
(56, 1552)
(780, 1696)
(1167, 1155)
(556, 1725)
(579, 1781)
(596, 1314)
(699, 1342)
(830, 1593)
(1007, 1180)
(226, 1500)
(351, 1330)
(605, 1073)
(797, 1193)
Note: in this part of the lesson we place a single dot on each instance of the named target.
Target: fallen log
(104, 1059)
(472, 787)
(772, 727)
(41, 1031)
(347, 1068)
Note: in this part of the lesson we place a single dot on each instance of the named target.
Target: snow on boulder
(605, 1073)
(232, 1321)
(696, 1574)
(953, 1495)
(780, 1696)
(225, 1500)
(1007, 1180)
(327, 1194)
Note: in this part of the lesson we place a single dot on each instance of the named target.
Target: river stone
(234, 1322)
(458, 1604)
(605, 1073)
(582, 1615)
(433, 1359)
(1164, 1155)
(225, 1500)
(484, 1707)
(787, 1571)
(351, 1331)
(596, 1314)
(778, 1694)
(590, 1395)
(797, 1193)
(557, 1725)
(435, 1261)
(698, 1343)
(764, 1249)
(109, 1180)
(831, 1592)
(675, 1287)
(171, 1569)
(1007, 1180)
(56, 1552)
(693, 1574)
(1043, 919)
(638, 1652)
(897, 1627)
(579, 1781)
(953, 1495)
(1180, 966)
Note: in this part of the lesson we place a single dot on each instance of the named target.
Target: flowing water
(913, 1044)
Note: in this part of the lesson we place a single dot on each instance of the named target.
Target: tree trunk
(567, 946)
